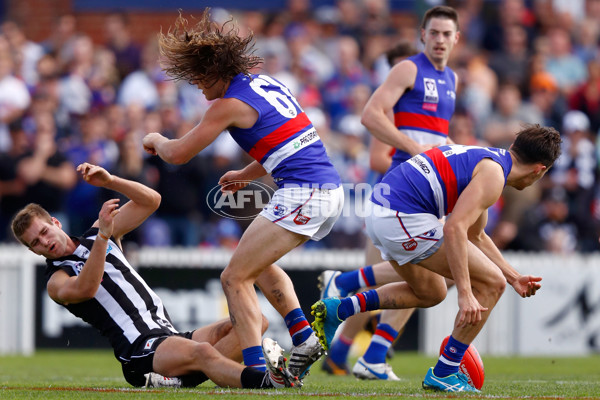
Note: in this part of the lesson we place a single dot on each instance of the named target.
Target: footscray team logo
(244, 204)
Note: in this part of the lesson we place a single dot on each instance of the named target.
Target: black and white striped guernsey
(124, 309)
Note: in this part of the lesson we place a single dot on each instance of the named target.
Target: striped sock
(253, 357)
(450, 358)
(354, 280)
(339, 350)
(360, 302)
(381, 341)
(298, 326)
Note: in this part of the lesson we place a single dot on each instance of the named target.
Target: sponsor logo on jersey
(431, 92)
(149, 343)
(279, 210)
(421, 164)
(410, 245)
(301, 219)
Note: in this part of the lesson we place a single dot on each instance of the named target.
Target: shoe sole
(319, 311)
(276, 362)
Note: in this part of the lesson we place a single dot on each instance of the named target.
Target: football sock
(298, 326)
(253, 357)
(360, 302)
(338, 353)
(252, 378)
(381, 341)
(450, 358)
(351, 281)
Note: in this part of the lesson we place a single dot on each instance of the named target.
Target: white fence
(562, 319)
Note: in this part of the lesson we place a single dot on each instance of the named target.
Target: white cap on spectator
(575, 120)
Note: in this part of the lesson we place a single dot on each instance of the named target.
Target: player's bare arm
(143, 201)
(482, 192)
(524, 285)
(66, 289)
(232, 181)
(380, 156)
(375, 115)
(222, 114)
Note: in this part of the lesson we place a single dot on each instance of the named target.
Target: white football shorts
(304, 210)
(404, 238)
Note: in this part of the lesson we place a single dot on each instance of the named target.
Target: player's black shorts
(142, 357)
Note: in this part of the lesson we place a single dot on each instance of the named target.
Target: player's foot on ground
(156, 380)
(451, 383)
(326, 319)
(332, 368)
(277, 372)
(327, 284)
(304, 355)
(365, 370)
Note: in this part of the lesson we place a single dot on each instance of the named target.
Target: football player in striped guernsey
(90, 276)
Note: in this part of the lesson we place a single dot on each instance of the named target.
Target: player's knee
(203, 351)
(433, 292)
(498, 286)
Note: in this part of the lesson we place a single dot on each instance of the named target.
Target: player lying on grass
(90, 276)
(403, 223)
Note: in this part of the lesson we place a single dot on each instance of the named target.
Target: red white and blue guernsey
(431, 182)
(423, 113)
(283, 139)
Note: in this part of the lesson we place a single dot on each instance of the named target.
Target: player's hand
(527, 285)
(107, 215)
(232, 181)
(94, 175)
(150, 142)
(470, 310)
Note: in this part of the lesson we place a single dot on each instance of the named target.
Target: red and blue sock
(352, 281)
(338, 352)
(253, 357)
(298, 326)
(381, 341)
(450, 358)
(360, 302)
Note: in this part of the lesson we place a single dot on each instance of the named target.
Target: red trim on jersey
(447, 174)
(421, 121)
(384, 334)
(278, 136)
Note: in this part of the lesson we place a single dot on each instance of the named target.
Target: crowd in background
(67, 99)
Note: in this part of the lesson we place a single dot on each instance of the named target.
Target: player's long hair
(206, 52)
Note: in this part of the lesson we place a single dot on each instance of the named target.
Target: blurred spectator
(548, 226)
(510, 112)
(61, 41)
(586, 97)
(510, 63)
(14, 98)
(25, 53)
(36, 172)
(568, 70)
(349, 72)
(546, 98)
(575, 171)
(119, 41)
(90, 143)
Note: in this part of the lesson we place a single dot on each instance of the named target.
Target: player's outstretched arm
(143, 201)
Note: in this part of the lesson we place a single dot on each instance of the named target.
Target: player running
(265, 119)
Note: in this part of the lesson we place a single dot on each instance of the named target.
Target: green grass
(96, 374)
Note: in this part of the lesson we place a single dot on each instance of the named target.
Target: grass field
(96, 374)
